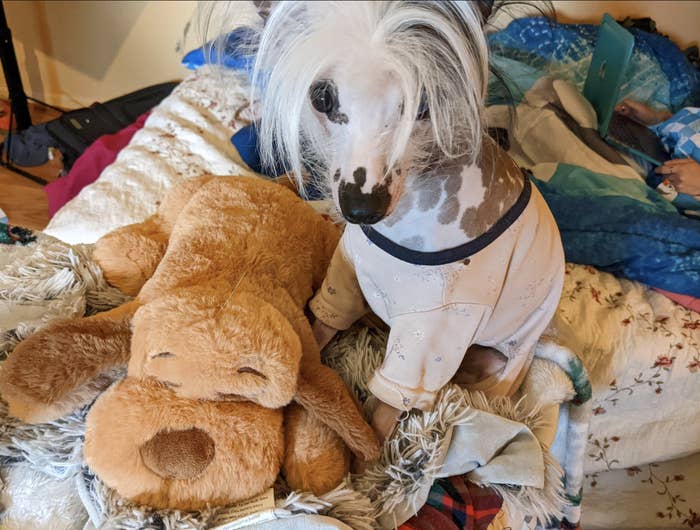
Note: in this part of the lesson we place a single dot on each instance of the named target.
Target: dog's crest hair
(435, 50)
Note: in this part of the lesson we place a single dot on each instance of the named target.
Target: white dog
(447, 240)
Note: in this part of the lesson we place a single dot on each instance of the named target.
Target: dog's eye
(323, 95)
(251, 371)
(162, 355)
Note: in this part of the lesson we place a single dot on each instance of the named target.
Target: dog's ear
(325, 396)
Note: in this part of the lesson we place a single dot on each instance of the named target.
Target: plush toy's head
(218, 344)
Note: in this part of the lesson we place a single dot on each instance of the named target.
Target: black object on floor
(75, 130)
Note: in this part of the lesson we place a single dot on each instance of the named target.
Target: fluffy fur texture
(38, 384)
(62, 281)
(122, 425)
(54, 448)
(393, 65)
(220, 342)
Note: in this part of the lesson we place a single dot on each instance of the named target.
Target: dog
(446, 240)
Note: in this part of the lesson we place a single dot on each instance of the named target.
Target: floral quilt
(642, 354)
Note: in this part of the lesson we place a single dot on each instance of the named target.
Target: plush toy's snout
(181, 454)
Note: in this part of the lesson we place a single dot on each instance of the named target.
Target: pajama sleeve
(339, 302)
(424, 352)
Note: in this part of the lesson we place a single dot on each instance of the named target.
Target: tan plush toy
(224, 386)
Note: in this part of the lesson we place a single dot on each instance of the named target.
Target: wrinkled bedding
(530, 48)
(187, 135)
(640, 349)
(607, 215)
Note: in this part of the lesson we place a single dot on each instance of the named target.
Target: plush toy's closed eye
(251, 371)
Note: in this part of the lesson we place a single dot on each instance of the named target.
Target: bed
(640, 349)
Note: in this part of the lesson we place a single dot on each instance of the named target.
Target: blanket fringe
(62, 279)
(408, 460)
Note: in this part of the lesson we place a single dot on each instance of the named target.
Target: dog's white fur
(383, 56)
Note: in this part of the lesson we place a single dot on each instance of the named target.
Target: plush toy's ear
(65, 365)
(325, 396)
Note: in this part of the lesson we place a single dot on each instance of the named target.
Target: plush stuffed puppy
(224, 386)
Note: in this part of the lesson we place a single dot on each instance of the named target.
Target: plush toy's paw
(325, 396)
(316, 458)
(62, 367)
(168, 452)
(129, 256)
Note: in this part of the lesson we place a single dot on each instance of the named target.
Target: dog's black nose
(363, 208)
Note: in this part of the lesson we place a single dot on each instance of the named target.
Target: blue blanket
(624, 227)
(530, 48)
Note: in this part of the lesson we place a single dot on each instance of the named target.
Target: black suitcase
(75, 130)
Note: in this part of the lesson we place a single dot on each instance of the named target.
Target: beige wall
(678, 19)
(72, 53)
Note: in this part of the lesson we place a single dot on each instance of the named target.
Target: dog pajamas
(502, 297)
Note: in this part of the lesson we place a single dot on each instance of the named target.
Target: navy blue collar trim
(452, 255)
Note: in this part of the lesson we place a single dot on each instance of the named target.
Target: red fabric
(454, 503)
(683, 299)
(90, 164)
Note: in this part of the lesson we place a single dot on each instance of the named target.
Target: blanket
(623, 227)
(607, 215)
(490, 443)
(530, 48)
(186, 136)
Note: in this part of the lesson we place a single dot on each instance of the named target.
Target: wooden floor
(24, 201)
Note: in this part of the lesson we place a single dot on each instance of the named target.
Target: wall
(74, 53)
(678, 19)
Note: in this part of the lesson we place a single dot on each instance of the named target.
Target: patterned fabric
(680, 133)
(456, 504)
(654, 496)
(529, 48)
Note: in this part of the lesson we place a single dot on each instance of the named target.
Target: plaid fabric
(454, 503)
(680, 134)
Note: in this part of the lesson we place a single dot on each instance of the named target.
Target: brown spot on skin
(451, 176)
(449, 211)
(495, 165)
(429, 189)
(453, 183)
(413, 242)
(338, 117)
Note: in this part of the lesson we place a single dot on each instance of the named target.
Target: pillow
(232, 51)
(680, 133)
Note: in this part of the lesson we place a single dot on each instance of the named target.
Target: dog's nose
(363, 208)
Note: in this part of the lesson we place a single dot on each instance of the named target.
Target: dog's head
(209, 342)
(368, 91)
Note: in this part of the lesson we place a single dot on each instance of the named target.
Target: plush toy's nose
(178, 454)
(363, 208)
